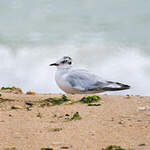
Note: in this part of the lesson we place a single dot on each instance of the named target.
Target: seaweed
(6, 88)
(46, 148)
(90, 99)
(29, 104)
(76, 116)
(56, 129)
(94, 104)
(57, 101)
(16, 107)
(39, 115)
(114, 147)
(64, 98)
(64, 147)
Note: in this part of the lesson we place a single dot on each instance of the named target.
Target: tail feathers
(116, 86)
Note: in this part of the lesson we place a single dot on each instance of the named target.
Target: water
(110, 38)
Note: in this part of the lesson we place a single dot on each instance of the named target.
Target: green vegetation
(64, 98)
(0, 94)
(57, 101)
(76, 116)
(90, 99)
(6, 88)
(17, 90)
(46, 148)
(114, 147)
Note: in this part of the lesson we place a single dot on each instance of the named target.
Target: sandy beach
(27, 122)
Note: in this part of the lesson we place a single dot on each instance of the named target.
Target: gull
(80, 81)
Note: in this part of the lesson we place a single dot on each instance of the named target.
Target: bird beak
(54, 64)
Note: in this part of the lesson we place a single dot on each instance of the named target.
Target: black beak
(54, 64)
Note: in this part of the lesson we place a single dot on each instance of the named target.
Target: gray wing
(85, 81)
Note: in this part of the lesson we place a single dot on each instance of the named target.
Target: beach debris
(143, 108)
(30, 93)
(90, 99)
(142, 144)
(16, 107)
(11, 148)
(76, 116)
(57, 101)
(46, 148)
(39, 115)
(11, 89)
(94, 104)
(56, 129)
(5, 100)
(128, 96)
(64, 147)
(29, 104)
(28, 108)
(57, 143)
(10, 115)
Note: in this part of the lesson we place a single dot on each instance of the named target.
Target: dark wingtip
(122, 87)
(54, 64)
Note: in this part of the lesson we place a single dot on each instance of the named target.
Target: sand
(28, 124)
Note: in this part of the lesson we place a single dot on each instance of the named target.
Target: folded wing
(84, 81)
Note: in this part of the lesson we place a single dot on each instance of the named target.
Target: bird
(80, 81)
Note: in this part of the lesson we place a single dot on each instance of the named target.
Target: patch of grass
(6, 88)
(57, 101)
(76, 116)
(114, 147)
(90, 99)
(46, 148)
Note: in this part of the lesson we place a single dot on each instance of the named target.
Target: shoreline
(28, 123)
